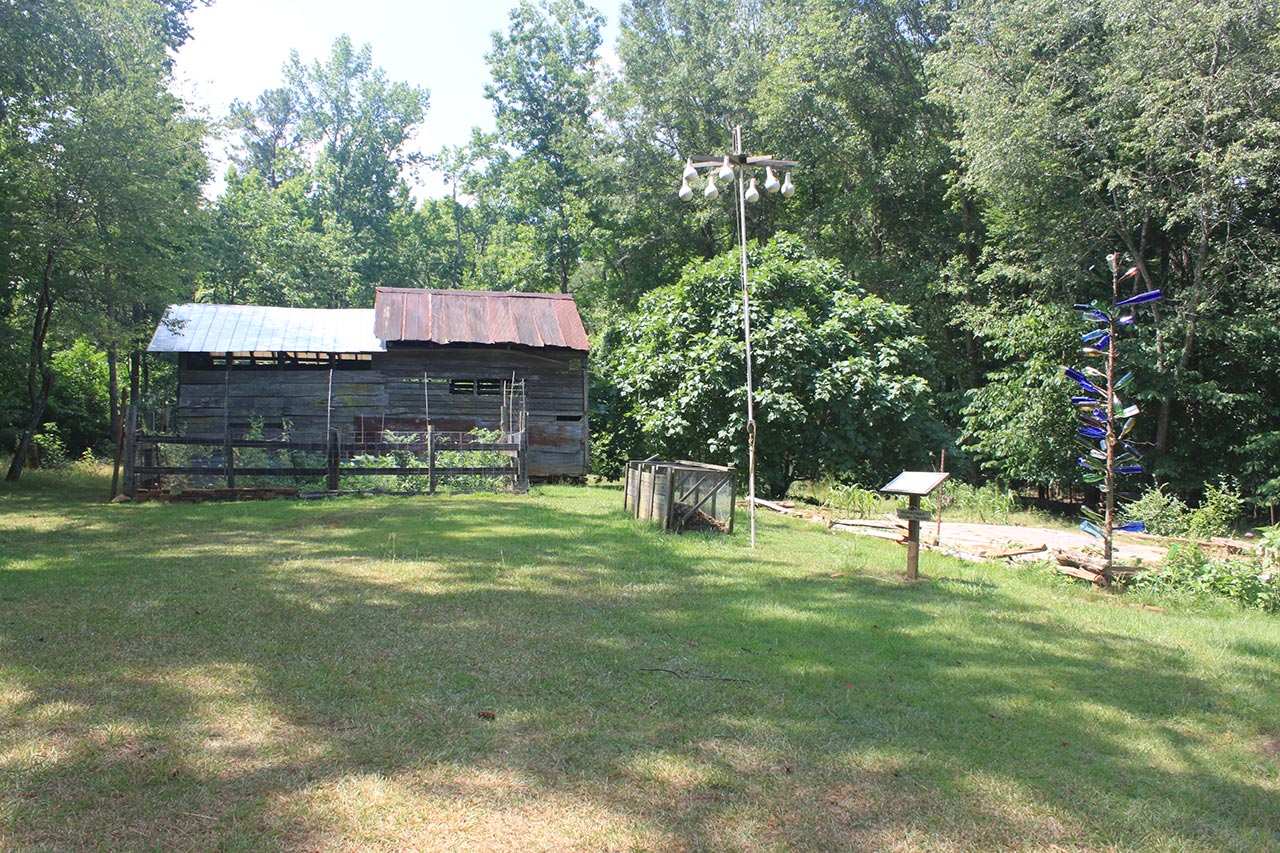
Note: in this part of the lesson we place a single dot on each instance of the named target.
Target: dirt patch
(982, 539)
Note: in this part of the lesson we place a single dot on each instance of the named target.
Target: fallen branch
(952, 551)
(684, 673)
(681, 639)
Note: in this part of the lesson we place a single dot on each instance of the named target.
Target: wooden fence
(681, 495)
(148, 459)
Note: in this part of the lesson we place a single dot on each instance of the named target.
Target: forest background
(966, 168)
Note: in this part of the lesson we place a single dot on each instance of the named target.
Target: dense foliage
(964, 160)
(101, 169)
(839, 383)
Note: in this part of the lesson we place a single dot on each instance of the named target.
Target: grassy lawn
(543, 673)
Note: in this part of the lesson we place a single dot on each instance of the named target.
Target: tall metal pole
(741, 165)
(746, 335)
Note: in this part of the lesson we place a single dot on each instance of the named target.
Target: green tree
(839, 373)
(269, 246)
(103, 169)
(544, 73)
(270, 140)
(1150, 127)
(80, 403)
(1015, 424)
(333, 142)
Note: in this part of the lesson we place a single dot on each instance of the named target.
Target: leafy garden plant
(1187, 569)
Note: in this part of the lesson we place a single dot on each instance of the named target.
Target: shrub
(401, 454)
(1269, 547)
(1162, 513)
(1165, 515)
(1242, 580)
(1219, 513)
(474, 459)
(51, 451)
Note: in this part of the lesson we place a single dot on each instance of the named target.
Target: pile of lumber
(202, 495)
(1092, 568)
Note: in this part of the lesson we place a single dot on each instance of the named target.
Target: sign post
(915, 485)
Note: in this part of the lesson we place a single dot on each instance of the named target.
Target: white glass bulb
(788, 189)
(712, 192)
(726, 171)
(771, 184)
(689, 171)
(686, 191)
(752, 194)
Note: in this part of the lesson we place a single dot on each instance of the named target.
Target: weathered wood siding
(392, 388)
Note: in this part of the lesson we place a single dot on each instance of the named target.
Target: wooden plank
(1014, 552)
(776, 507)
(1084, 574)
(879, 533)
(220, 470)
(266, 444)
(866, 522)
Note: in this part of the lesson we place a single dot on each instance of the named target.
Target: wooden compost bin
(682, 495)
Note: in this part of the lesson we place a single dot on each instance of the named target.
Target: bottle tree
(1105, 420)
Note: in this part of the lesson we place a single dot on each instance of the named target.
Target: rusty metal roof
(478, 317)
(195, 327)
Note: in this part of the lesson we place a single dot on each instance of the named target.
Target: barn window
(472, 387)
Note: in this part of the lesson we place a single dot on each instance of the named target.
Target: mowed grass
(319, 676)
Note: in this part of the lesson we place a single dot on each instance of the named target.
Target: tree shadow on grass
(493, 673)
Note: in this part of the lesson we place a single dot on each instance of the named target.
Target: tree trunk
(39, 371)
(135, 376)
(113, 391)
(1198, 266)
(19, 462)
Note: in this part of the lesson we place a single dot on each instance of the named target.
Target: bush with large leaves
(839, 374)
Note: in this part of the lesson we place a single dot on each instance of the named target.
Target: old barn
(442, 358)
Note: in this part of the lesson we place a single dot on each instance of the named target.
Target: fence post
(733, 497)
(431, 459)
(332, 456)
(229, 452)
(522, 456)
